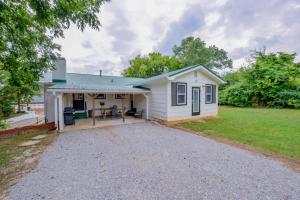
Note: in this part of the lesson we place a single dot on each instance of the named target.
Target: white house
(182, 94)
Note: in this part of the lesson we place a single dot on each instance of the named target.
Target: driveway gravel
(149, 161)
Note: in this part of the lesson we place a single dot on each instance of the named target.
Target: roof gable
(173, 74)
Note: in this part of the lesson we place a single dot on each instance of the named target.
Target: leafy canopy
(27, 31)
(151, 65)
(193, 51)
(269, 80)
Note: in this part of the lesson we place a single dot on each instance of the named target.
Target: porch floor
(81, 124)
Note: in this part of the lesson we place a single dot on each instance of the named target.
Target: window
(101, 96)
(78, 97)
(210, 94)
(181, 93)
(120, 96)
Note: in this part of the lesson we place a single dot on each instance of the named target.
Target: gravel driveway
(148, 161)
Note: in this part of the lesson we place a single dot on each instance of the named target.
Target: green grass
(274, 130)
(9, 145)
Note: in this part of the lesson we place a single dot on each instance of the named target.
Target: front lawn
(274, 130)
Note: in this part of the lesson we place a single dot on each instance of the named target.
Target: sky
(132, 27)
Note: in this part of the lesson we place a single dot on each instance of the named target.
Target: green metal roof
(116, 84)
(97, 83)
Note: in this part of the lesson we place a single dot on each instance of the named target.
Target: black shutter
(213, 94)
(174, 94)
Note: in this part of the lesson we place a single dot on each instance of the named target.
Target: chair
(139, 114)
(114, 111)
(131, 112)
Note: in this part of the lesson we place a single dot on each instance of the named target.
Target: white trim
(55, 112)
(213, 75)
(197, 68)
(177, 94)
(60, 112)
(96, 91)
(170, 78)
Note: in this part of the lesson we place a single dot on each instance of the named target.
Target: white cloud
(132, 27)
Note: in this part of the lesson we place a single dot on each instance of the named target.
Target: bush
(6, 108)
(3, 125)
(235, 95)
(289, 99)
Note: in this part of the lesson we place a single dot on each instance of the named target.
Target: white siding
(48, 104)
(139, 102)
(158, 101)
(49, 107)
(185, 111)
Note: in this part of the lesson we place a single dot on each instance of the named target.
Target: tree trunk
(19, 103)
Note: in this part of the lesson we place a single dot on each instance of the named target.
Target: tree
(270, 74)
(193, 51)
(27, 31)
(269, 80)
(151, 65)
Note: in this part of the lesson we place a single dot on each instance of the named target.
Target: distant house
(182, 94)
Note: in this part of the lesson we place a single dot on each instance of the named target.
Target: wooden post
(93, 112)
(122, 102)
(93, 108)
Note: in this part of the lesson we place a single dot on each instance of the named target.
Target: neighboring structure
(181, 94)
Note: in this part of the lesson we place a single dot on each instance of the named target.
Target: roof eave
(73, 90)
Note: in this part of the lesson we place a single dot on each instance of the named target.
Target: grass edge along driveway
(273, 130)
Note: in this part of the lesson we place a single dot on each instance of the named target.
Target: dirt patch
(24, 160)
(293, 163)
(39, 137)
(198, 119)
(29, 143)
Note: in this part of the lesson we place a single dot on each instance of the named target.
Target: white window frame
(177, 93)
(208, 93)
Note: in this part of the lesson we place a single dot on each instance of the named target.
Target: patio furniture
(69, 116)
(131, 112)
(114, 111)
(139, 114)
(108, 111)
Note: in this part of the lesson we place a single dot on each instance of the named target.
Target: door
(195, 100)
(78, 102)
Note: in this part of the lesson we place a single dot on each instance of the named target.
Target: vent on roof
(100, 72)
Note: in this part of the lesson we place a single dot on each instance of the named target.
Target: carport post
(147, 106)
(55, 111)
(93, 109)
(93, 96)
(122, 104)
(60, 112)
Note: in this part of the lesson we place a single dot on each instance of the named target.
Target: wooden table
(105, 111)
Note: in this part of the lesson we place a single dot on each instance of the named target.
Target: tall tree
(193, 51)
(271, 79)
(27, 31)
(151, 65)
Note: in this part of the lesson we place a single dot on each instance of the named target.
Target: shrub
(288, 99)
(235, 95)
